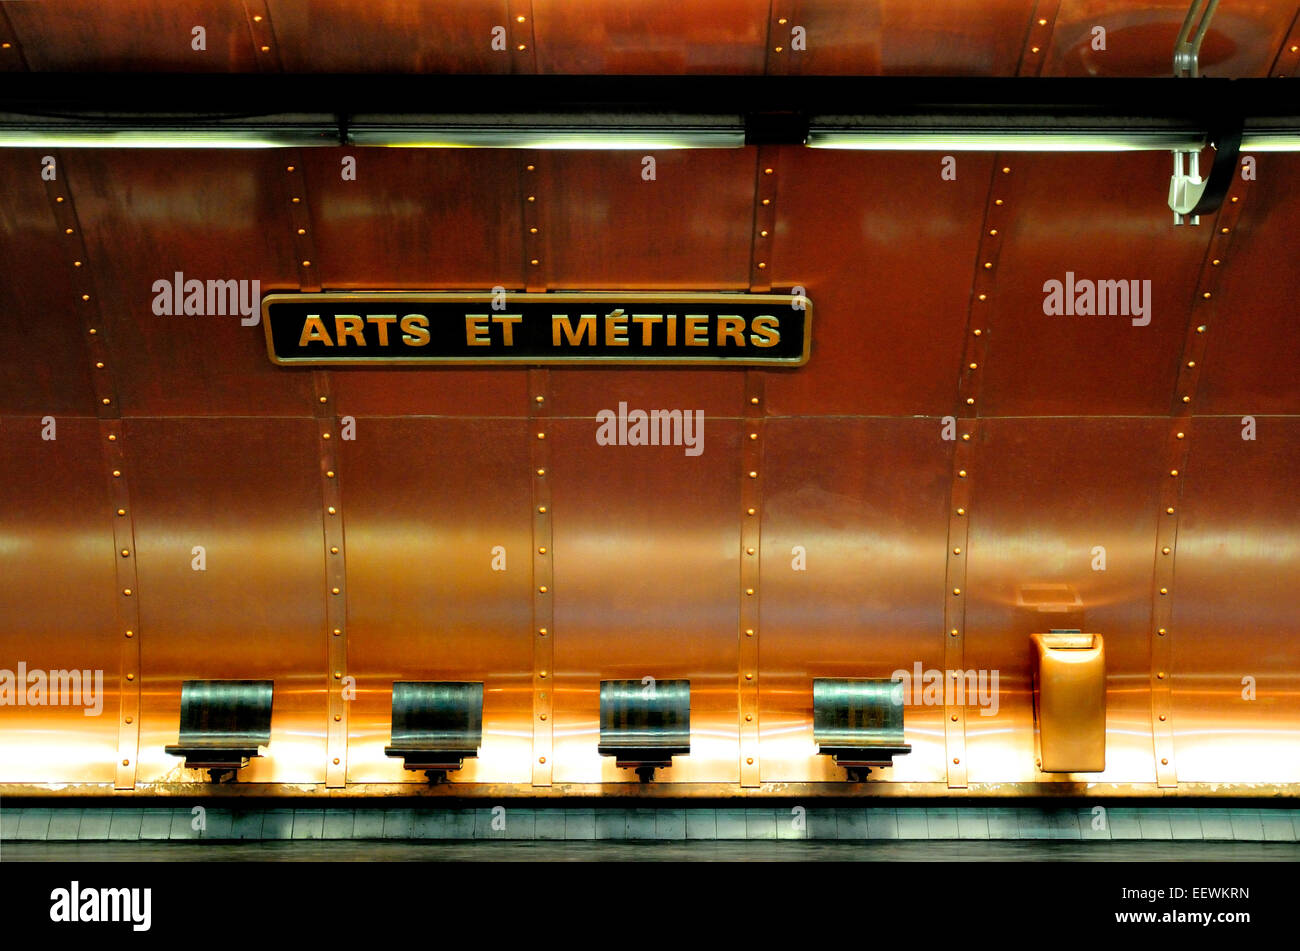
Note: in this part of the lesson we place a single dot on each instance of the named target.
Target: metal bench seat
(437, 725)
(859, 723)
(644, 724)
(223, 724)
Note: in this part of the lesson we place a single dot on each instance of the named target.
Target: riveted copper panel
(47, 366)
(1139, 40)
(1086, 365)
(247, 491)
(1233, 617)
(607, 227)
(888, 337)
(90, 35)
(1047, 493)
(56, 596)
(426, 502)
(1250, 362)
(898, 37)
(646, 569)
(210, 215)
(353, 36)
(594, 36)
(871, 599)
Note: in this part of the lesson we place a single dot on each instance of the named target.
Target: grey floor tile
(1246, 825)
(822, 823)
(368, 824)
(309, 823)
(580, 824)
(1093, 822)
(1062, 824)
(1277, 825)
(1124, 823)
(611, 824)
(941, 823)
(247, 824)
(1185, 824)
(94, 825)
(912, 824)
(1155, 824)
(641, 824)
(64, 824)
(277, 824)
(792, 823)
(701, 824)
(429, 824)
(731, 823)
(124, 825)
(221, 824)
(882, 824)
(670, 824)
(1003, 824)
(520, 824)
(548, 824)
(184, 820)
(851, 823)
(459, 824)
(972, 824)
(10, 820)
(1033, 823)
(339, 824)
(156, 824)
(1295, 822)
(398, 823)
(35, 824)
(760, 823)
(1215, 824)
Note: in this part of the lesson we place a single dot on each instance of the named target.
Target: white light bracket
(1187, 191)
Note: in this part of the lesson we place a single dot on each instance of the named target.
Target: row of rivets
(539, 411)
(1287, 61)
(963, 459)
(529, 179)
(760, 270)
(295, 199)
(259, 27)
(1038, 38)
(523, 43)
(336, 613)
(751, 493)
(11, 51)
(1174, 464)
(86, 300)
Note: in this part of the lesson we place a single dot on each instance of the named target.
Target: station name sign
(332, 329)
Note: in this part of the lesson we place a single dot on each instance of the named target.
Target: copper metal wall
(1074, 430)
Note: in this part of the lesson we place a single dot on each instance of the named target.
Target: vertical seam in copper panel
(964, 446)
(1038, 38)
(543, 577)
(332, 534)
(104, 386)
(1287, 60)
(1174, 470)
(525, 60)
(534, 262)
(265, 51)
(765, 184)
(14, 50)
(751, 499)
(768, 60)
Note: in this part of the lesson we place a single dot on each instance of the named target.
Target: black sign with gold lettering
(611, 328)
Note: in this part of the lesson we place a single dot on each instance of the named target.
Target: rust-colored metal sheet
(57, 601)
(363, 36)
(605, 226)
(439, 582)
(1236, 661)
(1061, 225)
(645, 586)
(1250, 364)
(247, 492)
(887, 331)
(1052, 501)
(1138, 38)
(210, 216)
(47, 365)
(898, 37)
(852, 579)
(594, 36)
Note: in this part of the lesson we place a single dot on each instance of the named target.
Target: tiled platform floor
(99, 824)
